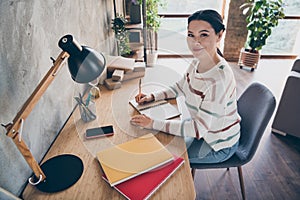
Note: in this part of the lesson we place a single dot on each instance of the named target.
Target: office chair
(286, 118)
(255, 106)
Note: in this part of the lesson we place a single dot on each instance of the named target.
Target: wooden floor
(274, 172)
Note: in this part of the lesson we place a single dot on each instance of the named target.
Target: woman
(213, 130)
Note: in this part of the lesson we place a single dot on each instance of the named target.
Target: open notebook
(161, 109)
(144, 185)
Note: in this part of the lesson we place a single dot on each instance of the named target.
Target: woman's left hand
(142, 121)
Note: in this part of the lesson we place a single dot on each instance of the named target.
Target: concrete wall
(30, 31)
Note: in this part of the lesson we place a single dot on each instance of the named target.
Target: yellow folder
(129, 159)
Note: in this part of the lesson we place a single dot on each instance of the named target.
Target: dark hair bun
(210, 16)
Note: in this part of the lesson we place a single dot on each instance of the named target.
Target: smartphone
(99, 132)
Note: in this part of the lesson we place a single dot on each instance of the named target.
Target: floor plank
(274, 172)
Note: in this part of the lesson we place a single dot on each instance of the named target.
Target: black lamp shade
(85, 64)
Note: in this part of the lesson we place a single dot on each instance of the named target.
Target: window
(190, 6)
(285, 38)
(292, 7)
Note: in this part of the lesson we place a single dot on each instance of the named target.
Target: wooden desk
(113, 108)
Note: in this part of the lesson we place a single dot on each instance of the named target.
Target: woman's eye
(204, 35)
(190, 35)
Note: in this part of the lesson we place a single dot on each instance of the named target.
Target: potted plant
(262, 17)
(122, 35)
(152, 25)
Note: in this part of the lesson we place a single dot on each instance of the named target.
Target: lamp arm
(25, 151)
(13, 128)
(36, 95)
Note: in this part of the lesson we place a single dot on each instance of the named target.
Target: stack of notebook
(138, 167)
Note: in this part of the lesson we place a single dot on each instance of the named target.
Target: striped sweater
(211, 100)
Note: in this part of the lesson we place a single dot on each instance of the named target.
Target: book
(130, 159)
(144, 185)
(121, 63)
(161, 109)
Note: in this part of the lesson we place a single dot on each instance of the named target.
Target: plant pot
(152, 58)
(135, 14)
(248, 59)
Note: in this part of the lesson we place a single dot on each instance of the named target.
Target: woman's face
(202, 39)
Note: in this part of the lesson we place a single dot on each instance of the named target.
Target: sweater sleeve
(201, 121)
(175, 127)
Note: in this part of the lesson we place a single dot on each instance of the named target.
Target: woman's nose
(197, 40)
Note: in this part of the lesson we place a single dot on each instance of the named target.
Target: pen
(140, 89)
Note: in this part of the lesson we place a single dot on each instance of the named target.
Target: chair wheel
(241, 67)
(252, 69)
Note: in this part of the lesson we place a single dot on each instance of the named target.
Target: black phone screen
(99, 131)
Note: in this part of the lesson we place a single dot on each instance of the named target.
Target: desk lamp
(60, 172)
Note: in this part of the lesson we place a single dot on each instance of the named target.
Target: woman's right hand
(144, 98)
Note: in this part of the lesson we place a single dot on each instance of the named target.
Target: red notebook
(144, 185)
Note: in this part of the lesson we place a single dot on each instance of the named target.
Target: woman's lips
(197, 49)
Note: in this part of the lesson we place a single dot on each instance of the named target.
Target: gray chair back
(255, 106)
(296, 66)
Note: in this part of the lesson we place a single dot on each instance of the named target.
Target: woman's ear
(220, 34)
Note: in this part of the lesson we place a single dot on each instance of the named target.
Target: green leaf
(262, 16)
